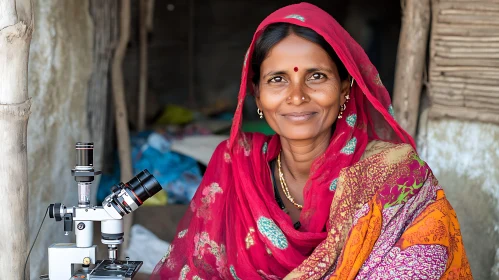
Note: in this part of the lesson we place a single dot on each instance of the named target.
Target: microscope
(78, 260)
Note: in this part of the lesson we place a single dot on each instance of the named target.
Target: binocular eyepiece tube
(127, 197)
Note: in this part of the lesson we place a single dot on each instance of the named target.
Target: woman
(338, 192)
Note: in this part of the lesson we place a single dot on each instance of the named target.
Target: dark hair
(276, 32)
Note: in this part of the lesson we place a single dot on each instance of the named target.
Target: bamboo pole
(444, 29)
(143, 26)
(477, 2)
(472, 1)
(444, 98)
(466, 52)
(479, 88)
(466, 44)
(463, 74)
(120, 109)
(470, 19)
(16, 28)
(451, 91)
(410, 63)
(476, 39)
(470, 6)
(494, 63)
(191, 62)
(440, 111)
(457, 68)
(469, 12)
(150, 15)
(460, 80)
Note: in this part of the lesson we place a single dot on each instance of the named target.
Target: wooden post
(191, 62)
(143, 28)
(411, 59)
(122, 132)
(16, 28)
(105, 18)
(150, 15)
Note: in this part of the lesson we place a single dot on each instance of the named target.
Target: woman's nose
(297, 96)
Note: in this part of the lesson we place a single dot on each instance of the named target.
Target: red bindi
(296, 69)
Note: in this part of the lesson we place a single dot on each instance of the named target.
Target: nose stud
(289, 99)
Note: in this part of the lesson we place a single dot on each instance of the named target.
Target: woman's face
(300, 91)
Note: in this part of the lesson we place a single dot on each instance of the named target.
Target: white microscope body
(78, 260)
(65, 259)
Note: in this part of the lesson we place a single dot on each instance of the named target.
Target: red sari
(235, 229)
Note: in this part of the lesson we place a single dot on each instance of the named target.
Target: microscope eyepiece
(84, 168)
(127, 197)
(84, 155)
(143, 186)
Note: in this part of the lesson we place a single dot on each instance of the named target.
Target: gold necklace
(284, 185)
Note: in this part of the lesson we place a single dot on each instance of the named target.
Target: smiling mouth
(299, 116)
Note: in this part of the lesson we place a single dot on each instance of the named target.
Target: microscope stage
(119, 270)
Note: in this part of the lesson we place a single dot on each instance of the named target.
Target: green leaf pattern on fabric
(350, 147)
(295, 16)
(269, 229)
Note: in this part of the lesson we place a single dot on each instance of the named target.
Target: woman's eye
(317, 76)
(277, 79)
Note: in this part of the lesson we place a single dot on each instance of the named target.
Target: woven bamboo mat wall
(464, 60)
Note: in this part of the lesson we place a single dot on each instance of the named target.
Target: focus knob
(86, 261)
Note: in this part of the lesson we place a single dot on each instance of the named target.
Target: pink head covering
(234, 228)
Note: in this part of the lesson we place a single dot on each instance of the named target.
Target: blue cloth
(179, 175)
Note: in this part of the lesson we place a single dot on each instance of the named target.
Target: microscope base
(66, 258)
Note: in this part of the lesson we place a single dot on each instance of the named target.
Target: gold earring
(351, 82)
(260, 113)
(343, 107)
